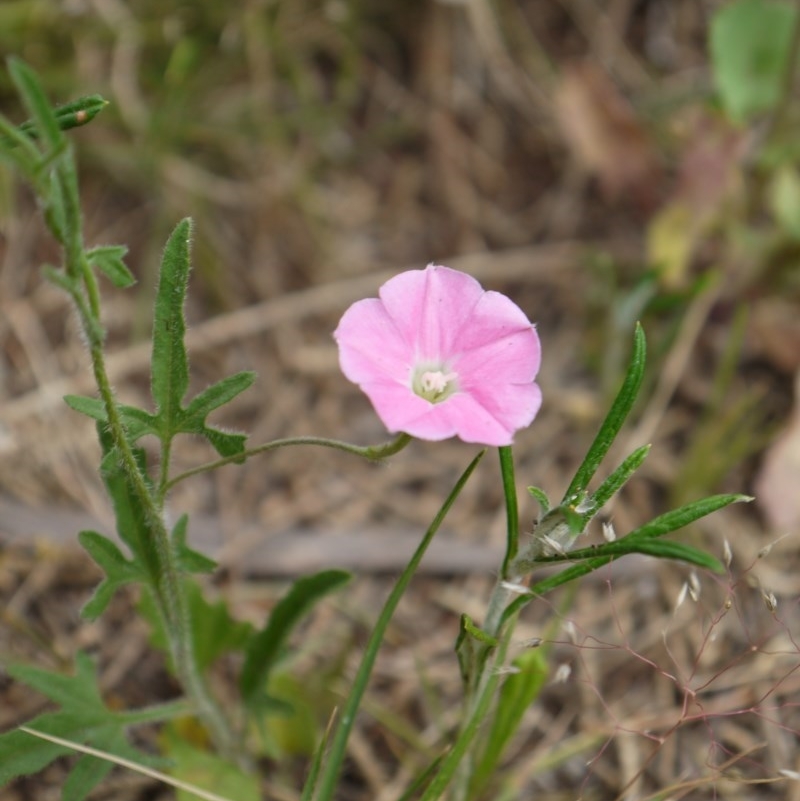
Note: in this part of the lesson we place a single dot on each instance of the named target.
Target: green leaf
(519, 691)
(36, 102)
(678, 518)
(132, 524)
(108, 259)
(88, 772)
(71, 115)
(214, 630)
(219, 394)
(18, 148)
(207, 771)
(750, 42)
(82, 717)
(473, 646)
(614, 420)
(225, 443)
(326, 786)
(614, 483)
(137, 422)
(263, 650)
(170, 368)
(540, 496)
(118, 570)
(667, 549)
(189, 560)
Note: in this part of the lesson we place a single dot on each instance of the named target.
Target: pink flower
(439, 357)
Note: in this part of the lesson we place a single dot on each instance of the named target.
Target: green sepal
(108, 259)
(265, 647)
(118, 571)
(189, 560)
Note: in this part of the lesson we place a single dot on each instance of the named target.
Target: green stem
(512, 510)
(374, 452)
(330, 774)
(168, 588)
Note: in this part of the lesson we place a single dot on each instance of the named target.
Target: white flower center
(435, 384)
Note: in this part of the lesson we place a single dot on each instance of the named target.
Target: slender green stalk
(512, 510)
(374, 452)
(330, 773)
(64, 218)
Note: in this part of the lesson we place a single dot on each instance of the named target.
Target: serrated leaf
(264, 648)
(169, 366)
(118, 570)
(750, 42)
(108, 259)
(189, 560)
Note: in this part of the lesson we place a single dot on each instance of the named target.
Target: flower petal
(370, 344)
(430, 306)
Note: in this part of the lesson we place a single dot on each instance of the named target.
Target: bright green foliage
(265, 647)
(750, 42)
(82, 716)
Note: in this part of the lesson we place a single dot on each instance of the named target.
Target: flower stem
(374, 452)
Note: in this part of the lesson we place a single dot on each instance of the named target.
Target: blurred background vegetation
(603, 161)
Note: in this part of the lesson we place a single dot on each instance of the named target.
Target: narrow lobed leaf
(265, 647)
(617, 415)
(108, 259)
(170, 368)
